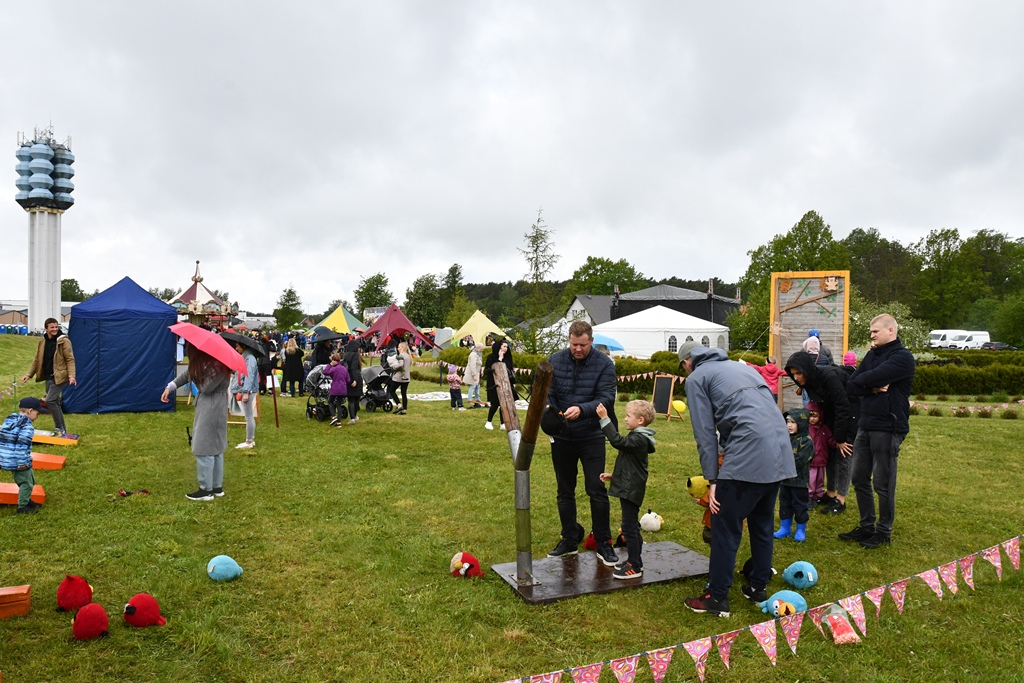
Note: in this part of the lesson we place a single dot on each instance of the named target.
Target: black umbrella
(244, 341)
(326, 334)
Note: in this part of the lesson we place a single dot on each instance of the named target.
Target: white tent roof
(651, 330)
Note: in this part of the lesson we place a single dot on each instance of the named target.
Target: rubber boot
(785, 528)
(801, 533)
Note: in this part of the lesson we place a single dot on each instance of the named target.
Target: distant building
(601, 308)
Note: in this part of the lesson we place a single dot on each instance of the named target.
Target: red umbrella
(210, 343)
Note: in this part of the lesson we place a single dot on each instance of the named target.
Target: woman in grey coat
(210, 425)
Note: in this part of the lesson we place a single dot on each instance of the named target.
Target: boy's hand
(602, 413)
(606, 477)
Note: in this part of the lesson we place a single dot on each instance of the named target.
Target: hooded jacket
(803, 448)
(16, 442)
(354, 365)
(826, 386)
(583, 383)
(492, 387)
(887, 365)
(63, 361)
(821, 435)
(629, 478)
(732, 398)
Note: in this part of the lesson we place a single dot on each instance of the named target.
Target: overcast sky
(316, 144)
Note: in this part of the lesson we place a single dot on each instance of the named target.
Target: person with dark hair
(210, 423)
(54, 363)
(500, 353)
(353, 362)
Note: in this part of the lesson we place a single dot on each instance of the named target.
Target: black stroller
(318, 389)
(375, 389)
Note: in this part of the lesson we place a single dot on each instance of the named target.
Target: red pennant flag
(724, 644)
(817, 614)
(993, 556)
(699, 650)
(1012, 548)
(875, 596)
(931, 577)
(898, 591)
(948, 574)
(791, 624)
(553, 677)
(765, 634)
(967, 570)
(625, 668)
(855, 607)
(659, 661)
(587, 674)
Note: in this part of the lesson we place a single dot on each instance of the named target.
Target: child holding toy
(629, 478)
(339, 387)
(455, 387)
(793, 492)
(16, 450)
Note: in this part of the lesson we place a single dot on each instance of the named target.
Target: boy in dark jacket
(629, 480)
(793, 492)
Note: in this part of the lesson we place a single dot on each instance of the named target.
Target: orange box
(15, 601)
(66, 440)
(9, 494)
(46, 461)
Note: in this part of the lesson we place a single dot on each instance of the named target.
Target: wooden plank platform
(47, 437)
(571, 576)
(9, 494)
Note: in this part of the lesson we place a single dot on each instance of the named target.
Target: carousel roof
(197, 298)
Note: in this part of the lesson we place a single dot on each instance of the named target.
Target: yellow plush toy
(697, 486)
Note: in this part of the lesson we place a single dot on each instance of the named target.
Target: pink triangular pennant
(993, 556)
(723, 642)
(931, 577)
(817, 614)
(948, 573)
(553, 677)
(898, 591)
(590, 673)
(1012, 548)
(659, 661)
(875, 595)
(855, 607)
(967, 570)
(791, 624)
(625, 668)
(699, 650)
(765, 634)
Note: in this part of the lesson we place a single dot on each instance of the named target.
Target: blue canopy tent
(124, 353)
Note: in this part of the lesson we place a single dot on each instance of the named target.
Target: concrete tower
(44, 191)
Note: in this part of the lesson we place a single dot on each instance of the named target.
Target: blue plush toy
(223, 568)
(784, 603)
(801, 575)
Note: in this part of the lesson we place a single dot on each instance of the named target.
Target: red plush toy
(465, 565)
(90, 622)
(143, 610)
(73, 593)
(591, 544)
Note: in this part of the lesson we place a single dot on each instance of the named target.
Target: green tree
(461, 311)
(600, 276)
(373, 291)
(289, 309)
(999, 259)
(748, 326)
(807, 246)
(913, 332)
(1008, 324)
(949, 279)
(982, 314)
(423, 302)
(163, 293)
(540, 301)
(450, 284)
(71, 291)
(883, 270)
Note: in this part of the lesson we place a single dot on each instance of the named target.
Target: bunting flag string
(624, 668)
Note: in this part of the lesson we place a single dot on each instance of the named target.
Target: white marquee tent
(662, 329)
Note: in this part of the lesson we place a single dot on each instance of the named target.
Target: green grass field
(345, 536)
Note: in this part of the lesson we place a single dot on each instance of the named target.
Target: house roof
(660, 318)
(669, 292)
(599, 306)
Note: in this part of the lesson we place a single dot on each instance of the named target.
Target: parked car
(997, 346)
(968, 340)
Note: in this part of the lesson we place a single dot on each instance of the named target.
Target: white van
(968, 340)
(940, 339)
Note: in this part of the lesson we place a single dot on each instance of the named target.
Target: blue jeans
(210, 471)
(474, 393)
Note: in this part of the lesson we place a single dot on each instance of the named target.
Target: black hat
(552, 422)
(33, 403)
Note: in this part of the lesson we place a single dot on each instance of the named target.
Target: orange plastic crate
(15, 601)
(9, 494)
(46, 461)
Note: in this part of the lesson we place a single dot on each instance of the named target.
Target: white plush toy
(652, 521)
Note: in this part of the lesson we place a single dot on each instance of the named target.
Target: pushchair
(375, 389)
(318, 389)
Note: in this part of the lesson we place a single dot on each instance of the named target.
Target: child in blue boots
(793, 492)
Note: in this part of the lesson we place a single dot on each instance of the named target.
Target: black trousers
(631, 530)
(739, 500)
(875, 456)
(793, 503)
(567, 456)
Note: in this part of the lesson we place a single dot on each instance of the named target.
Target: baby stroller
(318, 389)
(375, 389)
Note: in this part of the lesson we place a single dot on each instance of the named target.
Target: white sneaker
(503, 427)
(246, 444)
(488, 425)
(462, 409)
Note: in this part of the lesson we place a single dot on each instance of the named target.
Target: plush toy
(652, 521)
(784, 603)
(73, 593)
(90, 622)
(465, 565)
(143, 610)
(800, 575)
(590, 543)
(748, 570)
(223, 568)
(697, 486)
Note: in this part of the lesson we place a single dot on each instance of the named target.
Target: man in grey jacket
(734, 400)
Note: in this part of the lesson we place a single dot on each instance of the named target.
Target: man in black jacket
(882, 382)
(582, 379)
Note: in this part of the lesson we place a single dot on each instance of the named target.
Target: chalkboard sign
(662, 397)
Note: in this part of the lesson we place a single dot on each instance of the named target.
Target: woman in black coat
(500, 353)
(293, 370)
(353, 362)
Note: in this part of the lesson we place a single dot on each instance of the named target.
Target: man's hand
(606, 477)
(24, 380)
(602, 412)
(712, 501)
(167, 392)
(572, 413)
(880, 390)
(845, 448)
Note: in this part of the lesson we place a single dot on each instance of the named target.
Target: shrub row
(976, 358)
(956, 379)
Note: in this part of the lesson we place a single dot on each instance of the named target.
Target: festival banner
(875, 595)
(967, 570)
(659, 661)
(791, 624)
(553, 677)
(590, 673)
(993, 556)
(724, 642)
(817, 614)
(898, 591)
(625, 668)
(948, 573)
(855, 607)
(1012, 548)
(931, 577)
(699, 650)
(765, 634)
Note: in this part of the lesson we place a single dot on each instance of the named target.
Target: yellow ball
(679, 406)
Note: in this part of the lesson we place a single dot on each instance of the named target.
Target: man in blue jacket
(733, 399)
(582, 379)
(882, 383)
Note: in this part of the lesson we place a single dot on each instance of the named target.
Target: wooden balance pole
(522, 443)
